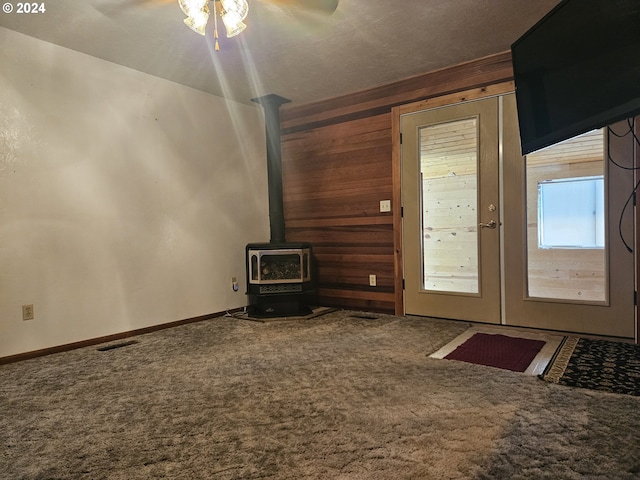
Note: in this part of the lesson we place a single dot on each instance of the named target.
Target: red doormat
(500, 351)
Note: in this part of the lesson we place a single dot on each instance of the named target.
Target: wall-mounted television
(577, 69)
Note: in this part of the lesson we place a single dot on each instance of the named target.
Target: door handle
(491, 224)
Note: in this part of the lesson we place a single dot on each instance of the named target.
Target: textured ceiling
(301, 55)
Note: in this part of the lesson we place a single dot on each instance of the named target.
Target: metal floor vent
(117, 345)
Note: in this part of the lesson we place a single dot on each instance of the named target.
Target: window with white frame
(571, 213)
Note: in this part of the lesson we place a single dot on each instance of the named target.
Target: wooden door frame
(396, 158)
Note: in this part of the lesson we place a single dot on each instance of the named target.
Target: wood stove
(279, 275)
(278, 278)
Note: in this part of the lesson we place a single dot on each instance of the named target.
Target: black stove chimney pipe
(271, 104)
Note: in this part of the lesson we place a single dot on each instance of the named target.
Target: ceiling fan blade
(324, 6)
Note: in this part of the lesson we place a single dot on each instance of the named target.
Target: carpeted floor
(338, 396)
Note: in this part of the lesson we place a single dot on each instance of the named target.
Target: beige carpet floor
(337, 396)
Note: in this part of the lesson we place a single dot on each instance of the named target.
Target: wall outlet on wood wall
(385, 205)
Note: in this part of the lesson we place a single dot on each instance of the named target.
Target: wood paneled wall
(337, 167)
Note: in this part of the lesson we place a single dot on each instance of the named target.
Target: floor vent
(116, 345)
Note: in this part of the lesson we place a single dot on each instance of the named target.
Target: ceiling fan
(233, 12)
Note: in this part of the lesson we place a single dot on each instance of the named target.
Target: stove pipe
(271, 104)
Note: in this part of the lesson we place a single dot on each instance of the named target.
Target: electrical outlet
(385, 205)
(372, 280)
(27, 312)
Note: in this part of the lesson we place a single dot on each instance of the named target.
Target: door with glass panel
(566, 230)
(451, 219)
(556, 224)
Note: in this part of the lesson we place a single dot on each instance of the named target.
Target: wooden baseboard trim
(109, 338)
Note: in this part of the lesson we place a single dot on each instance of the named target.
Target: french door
(491, 236)
(450, 195)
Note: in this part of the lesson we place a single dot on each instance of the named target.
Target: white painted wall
(125, 200)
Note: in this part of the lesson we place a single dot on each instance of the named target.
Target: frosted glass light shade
(197, 25)
(191, 7)
(236, 8)
(233, 27)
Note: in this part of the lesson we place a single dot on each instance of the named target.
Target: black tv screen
(577, 69)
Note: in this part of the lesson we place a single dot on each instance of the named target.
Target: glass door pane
(566, 240)
(449, 200)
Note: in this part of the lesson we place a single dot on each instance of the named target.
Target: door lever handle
(491, 224)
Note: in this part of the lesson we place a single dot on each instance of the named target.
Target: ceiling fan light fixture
(232, 13)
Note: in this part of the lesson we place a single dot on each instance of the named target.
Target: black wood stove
(278, 278)
(279, 273)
